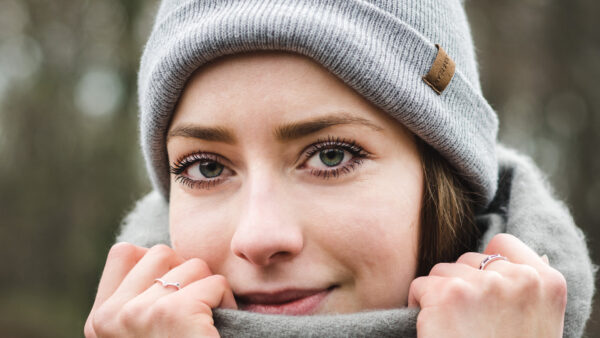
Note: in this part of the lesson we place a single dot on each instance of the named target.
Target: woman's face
(300, 192)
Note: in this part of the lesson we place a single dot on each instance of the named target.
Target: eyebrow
(215, 134)
(297, 130)
(284, 133)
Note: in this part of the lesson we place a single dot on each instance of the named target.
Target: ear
(148, 223)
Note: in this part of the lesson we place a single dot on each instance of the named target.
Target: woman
(321, 157)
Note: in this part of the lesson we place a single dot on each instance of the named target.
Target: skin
(267, 223)
(285, 228)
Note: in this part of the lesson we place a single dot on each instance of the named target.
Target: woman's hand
(129, 302)
(521, 297)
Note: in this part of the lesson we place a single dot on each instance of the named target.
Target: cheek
(373, 233)
(383, 209)
(379, 233)
(199, 230)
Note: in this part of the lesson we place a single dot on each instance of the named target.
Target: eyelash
(357, 152)
(181, 164)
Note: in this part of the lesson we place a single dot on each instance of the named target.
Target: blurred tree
(72, 165)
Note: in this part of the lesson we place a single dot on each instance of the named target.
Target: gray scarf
(523, 206)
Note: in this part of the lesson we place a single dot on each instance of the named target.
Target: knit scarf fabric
(523, 206)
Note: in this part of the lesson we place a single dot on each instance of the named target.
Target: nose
(266, 233)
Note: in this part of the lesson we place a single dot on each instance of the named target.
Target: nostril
(241, 255)
(280, 256)
(263, 258)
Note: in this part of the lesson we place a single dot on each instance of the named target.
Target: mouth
(287, 302)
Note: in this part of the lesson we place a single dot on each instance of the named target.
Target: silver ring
(490, 259)
(167, 284)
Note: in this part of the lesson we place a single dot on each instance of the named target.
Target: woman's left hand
(521, 297)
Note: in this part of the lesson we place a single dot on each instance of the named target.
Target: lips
(287, 302)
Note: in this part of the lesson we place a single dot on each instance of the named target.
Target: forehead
(276, 81)
(254, 91)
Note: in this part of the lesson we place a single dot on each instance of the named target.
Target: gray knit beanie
(413, 59)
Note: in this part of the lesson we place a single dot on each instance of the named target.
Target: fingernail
(545, 259)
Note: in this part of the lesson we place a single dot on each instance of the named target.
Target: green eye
(331, 157)
(211, 169)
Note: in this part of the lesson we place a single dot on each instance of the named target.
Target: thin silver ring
(167, 284)
(490, 259)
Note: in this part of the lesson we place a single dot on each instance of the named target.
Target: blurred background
(71, 166)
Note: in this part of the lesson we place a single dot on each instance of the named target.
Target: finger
(421, 289)
(121, 258)
(474, 260)
(185, 274)
(460, 270)
(156, 262)
(213, 291)
(191, 307)
(515, 250)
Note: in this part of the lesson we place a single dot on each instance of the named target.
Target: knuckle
(500, 241)
(102, 320)
(466, 257)
(556, 285)
(199, 266)
(221, 281)
(162, 311)
(437, 269)
(102, 316)
(526, 286)
(161, 251)
(121, 250)
(529, 278)
(494, 286)
(415, 282)
(494, 282)
(88, 329)
(130, 314)
(456, 290)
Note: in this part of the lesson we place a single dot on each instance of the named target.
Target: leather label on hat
(441, 71)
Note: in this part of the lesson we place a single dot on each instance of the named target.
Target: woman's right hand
(129, 302)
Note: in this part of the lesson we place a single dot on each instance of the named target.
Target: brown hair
(448, 226)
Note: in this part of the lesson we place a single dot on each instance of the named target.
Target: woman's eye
(200, 171)
(334, 157)
(329, 158)
(208, 169)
